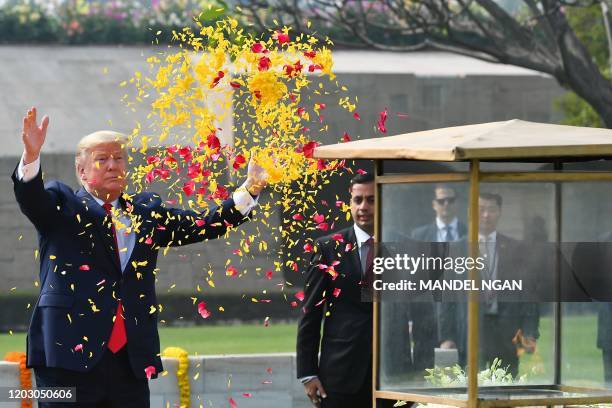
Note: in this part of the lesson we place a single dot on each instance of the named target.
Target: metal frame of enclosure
(513, 141)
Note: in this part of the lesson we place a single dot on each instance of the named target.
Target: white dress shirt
(453, 230)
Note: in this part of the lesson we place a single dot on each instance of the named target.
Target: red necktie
(118, 337)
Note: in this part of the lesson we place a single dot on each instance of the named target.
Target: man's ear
(80, 170)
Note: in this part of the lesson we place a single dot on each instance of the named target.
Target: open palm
(32, 134)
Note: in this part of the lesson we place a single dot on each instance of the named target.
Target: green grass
(234, 339)
(581, 362)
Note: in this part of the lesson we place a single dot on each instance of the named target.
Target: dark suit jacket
(80, 276)
(346, 345)
(512, 264)
(429, 232)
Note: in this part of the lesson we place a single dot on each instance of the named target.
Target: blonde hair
(95, 139)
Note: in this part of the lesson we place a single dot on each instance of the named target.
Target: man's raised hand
(33, 136)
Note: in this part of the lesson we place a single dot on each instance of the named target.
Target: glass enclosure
(548, 336)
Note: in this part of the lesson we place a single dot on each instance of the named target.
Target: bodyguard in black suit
(94, 326)
(446, 227)
(342, 376)
(503, 326)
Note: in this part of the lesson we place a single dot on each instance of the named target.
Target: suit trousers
(111, 383)
(360, 399)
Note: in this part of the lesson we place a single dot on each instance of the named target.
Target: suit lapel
(137, 213)
(97, 216)
(353, 259)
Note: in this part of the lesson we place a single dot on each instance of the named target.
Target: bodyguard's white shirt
(454, 231)
(126, 238)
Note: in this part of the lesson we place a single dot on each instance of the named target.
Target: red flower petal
(257, 48)
(323, 226)
(148, 241)
(234, 84)
(338, 237)
(189, 188)
(282, 38)
(231, 271)
(310, 54)
(213, 141)
(356, 116)
(84, 267)
(381, 121)
(337, 292)
(149, 371)
(346, 137)
(233, 403)
(216, 80)
(307, 248)
(268, 274)
(362, 171)
(264, 64)
(239, 161)
(308, 149)
(298, 217)
(318, 218)
(300, 296)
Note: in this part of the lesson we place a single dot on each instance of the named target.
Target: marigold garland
(181, 373)
(25, 377)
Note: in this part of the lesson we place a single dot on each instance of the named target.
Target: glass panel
(517, 227)
(515, 326)
(410, 330)
(587, 326)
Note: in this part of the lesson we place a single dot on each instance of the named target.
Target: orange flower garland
(25, 377)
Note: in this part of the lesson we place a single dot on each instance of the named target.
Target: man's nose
(111, 163)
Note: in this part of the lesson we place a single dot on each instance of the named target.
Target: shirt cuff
(243, 200)
(306, 379)
(26, 172)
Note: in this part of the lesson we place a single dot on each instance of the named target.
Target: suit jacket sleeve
(309, 328)
(38, 203)
(183, 227)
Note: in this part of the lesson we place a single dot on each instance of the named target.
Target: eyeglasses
(446, 200)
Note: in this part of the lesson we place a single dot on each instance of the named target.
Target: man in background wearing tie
(426, 331)
(503, 326)
(94, 326)
(342, 377)
(446, 227)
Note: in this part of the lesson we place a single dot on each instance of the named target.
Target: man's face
(362, 206)
(102, 171)
(444, 204)
(489, 213)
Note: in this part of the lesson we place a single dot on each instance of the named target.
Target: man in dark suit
(446, 227)
(503, 326)
(94, 326)
(342, 377)
(425, 316)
